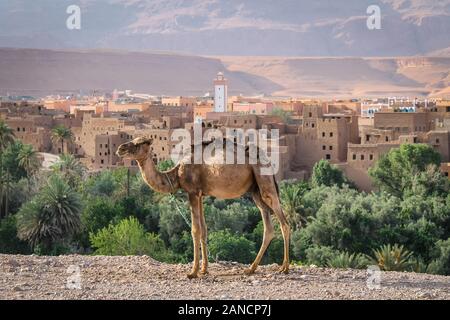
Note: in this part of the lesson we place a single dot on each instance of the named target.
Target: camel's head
(138, 148)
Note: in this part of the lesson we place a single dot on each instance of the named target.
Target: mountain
(350, 76)
(232, 27)
(39, 72)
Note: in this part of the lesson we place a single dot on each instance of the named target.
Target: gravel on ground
(141, 277)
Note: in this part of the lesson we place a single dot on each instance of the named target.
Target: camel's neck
(164, 182)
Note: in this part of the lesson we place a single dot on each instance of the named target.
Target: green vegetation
(410, 169)
(326, 174)
(51, 217)
(392, 258)
(61, 134)
(404, 225)
(128, 237)
(284, 115)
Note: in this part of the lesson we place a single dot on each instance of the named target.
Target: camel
(223, 181)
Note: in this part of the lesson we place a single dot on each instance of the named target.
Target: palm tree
(61, 134)
(6, 138)
(28, 160)
(70, 168)
(6, 135)
(291, 201)
(52, 216)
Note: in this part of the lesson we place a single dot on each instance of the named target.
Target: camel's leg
(194, 201)
(268, 230)
(204, 239)
(270, 196)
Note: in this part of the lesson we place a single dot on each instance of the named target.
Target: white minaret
(220, 93)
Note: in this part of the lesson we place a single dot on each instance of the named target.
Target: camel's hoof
(204, 272)
(192, 275)
(249, 271)
(284, 269)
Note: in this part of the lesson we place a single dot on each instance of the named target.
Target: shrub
(223, 245)
(128, 237)
(275, 251)
(171, 222)
(345, 260)
(327, 174)
(9, 242)
(319, 255)
(441, 263)
(235, 217)
(412, 166)
(392, 258)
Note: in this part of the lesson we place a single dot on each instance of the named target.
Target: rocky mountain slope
(133, 277)
(40, 72)
(234, 27)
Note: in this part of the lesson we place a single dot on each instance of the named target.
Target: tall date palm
(28, 160)
(52, 216)
(61, 134)
(6, 139)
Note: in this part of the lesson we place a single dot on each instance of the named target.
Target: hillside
(133, 277)
(40, 72)
(331, 77)
(235, 27)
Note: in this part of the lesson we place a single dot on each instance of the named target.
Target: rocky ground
(99, 277)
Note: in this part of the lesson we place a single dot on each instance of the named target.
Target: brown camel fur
(224, 181)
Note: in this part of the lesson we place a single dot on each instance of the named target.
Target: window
(101, 145)
(323, 134)
(310, 114)
(18, 129)
(447, 109)
(324, 147)
(386, 138)
(362, 157)
(106, 145)
(437, 140)
(328, 156)
(331, 148)
(331, 134)
(354, 156)
(312, 125)
(371, 157)
(102, 161)
(23, 129)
